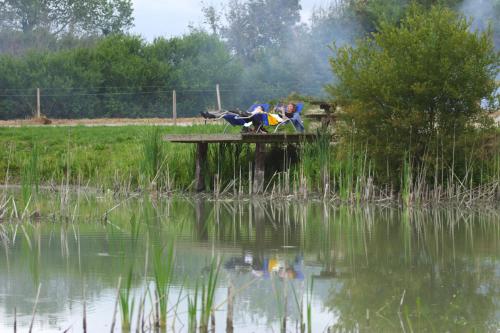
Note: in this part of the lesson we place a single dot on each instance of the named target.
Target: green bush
(414, 90)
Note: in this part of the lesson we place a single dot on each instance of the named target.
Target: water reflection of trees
(438, 263)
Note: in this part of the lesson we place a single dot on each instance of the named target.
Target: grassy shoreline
(127, 159)
(104, 157)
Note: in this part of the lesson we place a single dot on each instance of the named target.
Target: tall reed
(154, 158)
(309, 305)
(192, 310)
(163, 269)
(127, 302)
(406, 182)
(30, 176)
(208, 295)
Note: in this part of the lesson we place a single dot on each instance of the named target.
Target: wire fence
(134, 102)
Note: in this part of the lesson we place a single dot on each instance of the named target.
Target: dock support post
(174, 106)
(38, 113)
(259, 168)
(219, 104)
(201, 159)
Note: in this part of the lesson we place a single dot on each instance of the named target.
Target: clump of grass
(208, 296)
(163, 267)
(154, 159)
(30, 176)
(309, 305)
(127, 302)
(406, 182)
(192, 310)
(226, 161)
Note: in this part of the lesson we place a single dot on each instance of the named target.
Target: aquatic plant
(154, 158)
(127, 302)
(208, 295)
(309, 296)
(192, 310)
(163, 269)
(30, 177)
(406, 182)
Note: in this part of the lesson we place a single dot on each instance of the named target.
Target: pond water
(369, 269)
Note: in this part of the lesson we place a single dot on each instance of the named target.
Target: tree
(253, 25)
(415, 88)
(119, 76)
(370, 13)
(67, 16)
(212, 18)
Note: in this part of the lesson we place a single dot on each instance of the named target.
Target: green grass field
(99, 156)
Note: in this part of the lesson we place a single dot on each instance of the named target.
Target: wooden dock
(241, 138)
(259, 139)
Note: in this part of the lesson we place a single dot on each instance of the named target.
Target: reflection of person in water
(267, 266)
(280, 267)
(240, 263)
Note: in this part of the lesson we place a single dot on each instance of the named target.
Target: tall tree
(253, 25)
(415, 88)
(370, 13)
(67, 16)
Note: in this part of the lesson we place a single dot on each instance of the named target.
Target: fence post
(174, 107)
(219, 104)
(38, 102)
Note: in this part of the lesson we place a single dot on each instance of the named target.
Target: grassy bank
(104, 157)
(134, 158)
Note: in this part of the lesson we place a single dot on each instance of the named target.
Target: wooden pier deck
(259, 139)
(241, 138)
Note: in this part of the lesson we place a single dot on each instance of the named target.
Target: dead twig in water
(34, 308)
(402, 300)
(84, 311)
(116, 304)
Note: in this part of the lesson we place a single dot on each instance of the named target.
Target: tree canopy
(253, 25)
(66, 16)
(121, 76)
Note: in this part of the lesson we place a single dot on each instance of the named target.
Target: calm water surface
(372, 269)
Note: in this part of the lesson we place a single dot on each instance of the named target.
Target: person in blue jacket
(292, 113)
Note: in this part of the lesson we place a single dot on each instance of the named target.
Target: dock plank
(202, 138)
(241, 138)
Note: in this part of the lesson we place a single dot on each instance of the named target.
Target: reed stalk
(163, 268)
(192, 310)
(30, 176)
(208, 295)
(153, 160)
(127, 302)
(34, 308)
(309, 306)
(113, 321)
(84, 321)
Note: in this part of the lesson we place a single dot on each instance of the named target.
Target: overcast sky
(167, 18)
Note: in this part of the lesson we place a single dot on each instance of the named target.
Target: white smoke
(483, 14)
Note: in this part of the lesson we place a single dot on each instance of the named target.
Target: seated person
(247, 116)
(290, 112)
(256, 121)
(216, 114)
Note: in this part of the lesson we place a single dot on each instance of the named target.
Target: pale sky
(168, 18)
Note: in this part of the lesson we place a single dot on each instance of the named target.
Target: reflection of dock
(260, 141)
